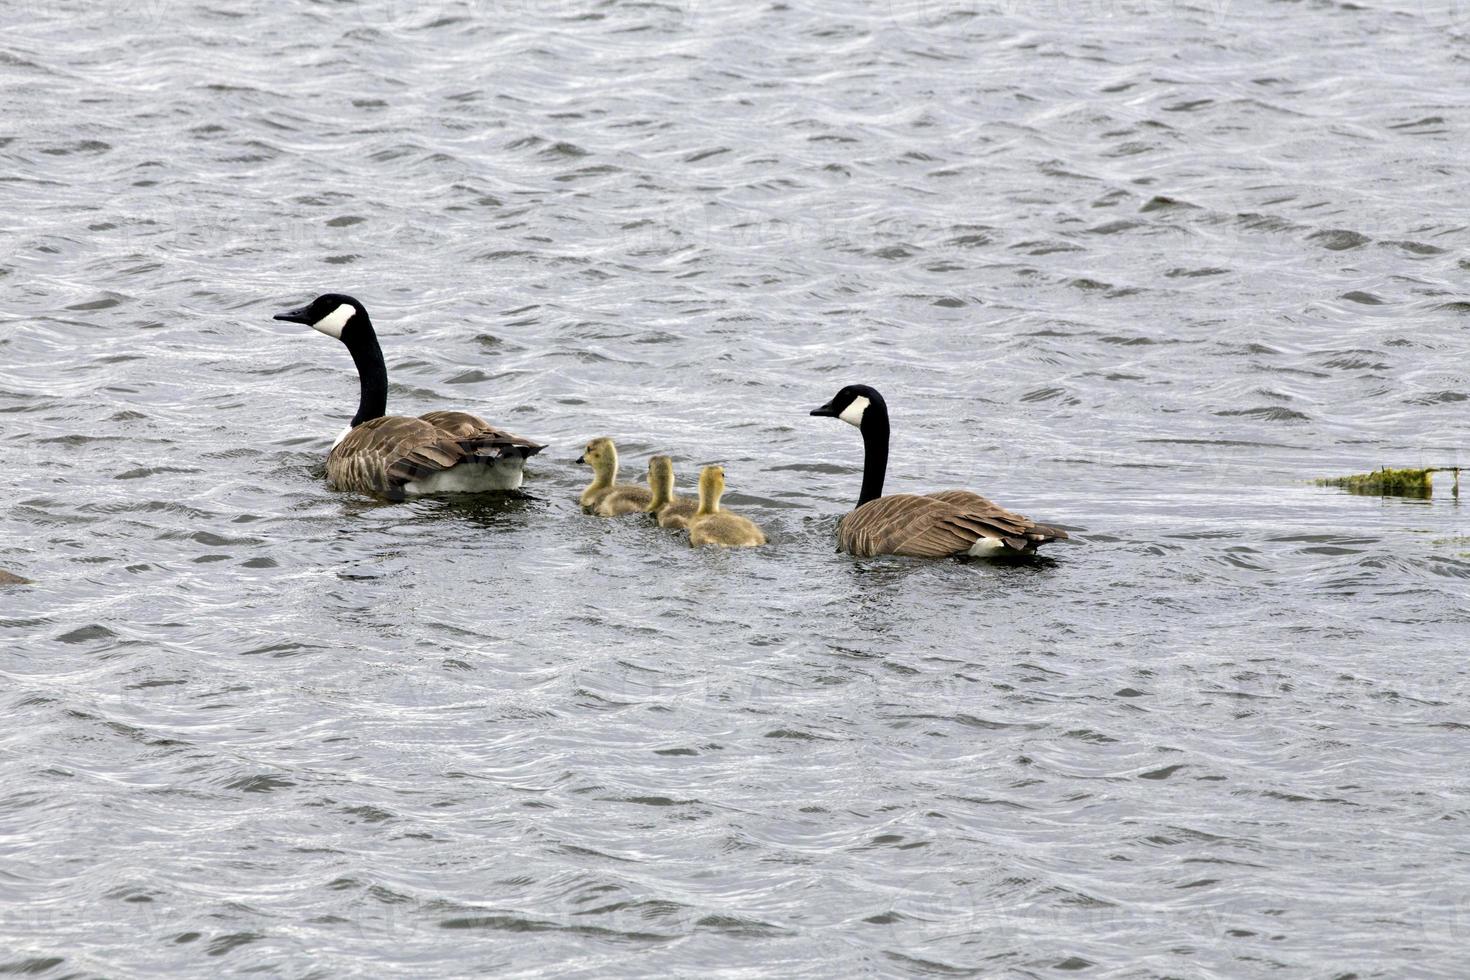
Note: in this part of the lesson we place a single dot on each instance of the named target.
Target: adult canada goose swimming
(670, 510)
(710, 525)
(604, 496)
(395, 456)
(935, 525)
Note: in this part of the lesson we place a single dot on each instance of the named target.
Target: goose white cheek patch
(333, 322)
(853, 413)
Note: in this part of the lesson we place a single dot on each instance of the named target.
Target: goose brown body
(938, 525)
(393, 456)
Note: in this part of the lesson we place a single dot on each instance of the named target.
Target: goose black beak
(581, 459)
(826, 411)
(294, 316)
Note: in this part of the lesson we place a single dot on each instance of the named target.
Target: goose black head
(853, 404)
(334, 314)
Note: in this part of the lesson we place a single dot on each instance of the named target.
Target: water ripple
(1144, 270)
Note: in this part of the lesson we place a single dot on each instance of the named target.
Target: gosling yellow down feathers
(604, 496)
(670, 510)
(710, 525)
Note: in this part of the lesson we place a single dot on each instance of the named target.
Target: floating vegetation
(1394, 483)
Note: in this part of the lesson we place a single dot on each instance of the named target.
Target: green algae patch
(1460, 542)
(1393, 483)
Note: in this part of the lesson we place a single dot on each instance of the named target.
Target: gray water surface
(1141, 269)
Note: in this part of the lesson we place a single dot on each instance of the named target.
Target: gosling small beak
(826, 411)
(582, 458)
(293, 316)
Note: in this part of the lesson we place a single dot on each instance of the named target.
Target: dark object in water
(1394, 483)
(8, 579)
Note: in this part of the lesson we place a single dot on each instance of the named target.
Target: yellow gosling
(671, 511)
(604, 496)
(710, 525)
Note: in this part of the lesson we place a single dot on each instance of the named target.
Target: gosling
(710, 525)
(671, 511)
(603, 496)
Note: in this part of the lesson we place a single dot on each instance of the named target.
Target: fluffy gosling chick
(604, 496)
(710, 525)
(671, 511)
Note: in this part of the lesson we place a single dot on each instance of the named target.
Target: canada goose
(671, 511)
(936, 525)
(396, 456)
(6, 578)
(710, 525)
(604, 496)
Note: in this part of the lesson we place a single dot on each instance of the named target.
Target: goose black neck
(875, 451)
(372, 373)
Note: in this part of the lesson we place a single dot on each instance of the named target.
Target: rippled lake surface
(1141, 269)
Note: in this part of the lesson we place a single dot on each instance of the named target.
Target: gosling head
(855, 405)
(601, 455)
(334, 314)
(660, 481)
(711, 488)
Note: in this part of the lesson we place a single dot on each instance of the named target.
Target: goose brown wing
(963, 498)
(980, 506)
(381, 455)
(935, 527)
(479, 437)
